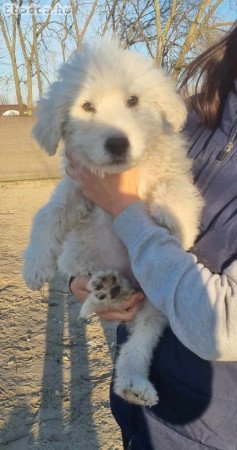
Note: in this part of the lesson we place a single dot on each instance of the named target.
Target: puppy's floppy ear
(50, 114)
(169, 103)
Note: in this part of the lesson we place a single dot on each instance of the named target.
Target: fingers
(135, 299)
(117, 316)
(78, 287)
(126, 312)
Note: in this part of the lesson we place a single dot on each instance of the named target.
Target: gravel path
(54, 371)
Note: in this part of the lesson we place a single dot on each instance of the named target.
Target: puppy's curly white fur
(114, 110)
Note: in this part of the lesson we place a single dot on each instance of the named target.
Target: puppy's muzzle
(117, 146)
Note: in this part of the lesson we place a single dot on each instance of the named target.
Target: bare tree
(204, 14)
(80, 29)
(4, 100)
(29, 47)
(171, 31)
(9, 33)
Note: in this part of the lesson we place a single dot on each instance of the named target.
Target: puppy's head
(109, 106)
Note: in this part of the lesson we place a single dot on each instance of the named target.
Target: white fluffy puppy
(114, 110)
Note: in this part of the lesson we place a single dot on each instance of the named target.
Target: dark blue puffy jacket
(198, 398)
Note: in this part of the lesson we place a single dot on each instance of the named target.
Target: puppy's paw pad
(137, 390)
(105, 286)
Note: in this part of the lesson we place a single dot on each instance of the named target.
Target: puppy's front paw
(136, 389)
(109, 287)
(106, 288)
(37, 269)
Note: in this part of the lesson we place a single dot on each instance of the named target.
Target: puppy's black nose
(117, 145)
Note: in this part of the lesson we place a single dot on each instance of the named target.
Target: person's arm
(201, 306)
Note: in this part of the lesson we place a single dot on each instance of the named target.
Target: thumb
(136, 298)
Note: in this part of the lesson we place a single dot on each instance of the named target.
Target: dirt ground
(54, 370)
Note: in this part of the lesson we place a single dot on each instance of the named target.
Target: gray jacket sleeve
(201, 306)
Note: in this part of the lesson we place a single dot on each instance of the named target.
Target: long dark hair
(213, 74)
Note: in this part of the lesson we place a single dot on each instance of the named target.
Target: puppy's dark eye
(132, 101)
(88, 107)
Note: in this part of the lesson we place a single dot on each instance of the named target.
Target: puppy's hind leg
(133, 363)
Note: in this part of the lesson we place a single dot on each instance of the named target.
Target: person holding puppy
(194, 367)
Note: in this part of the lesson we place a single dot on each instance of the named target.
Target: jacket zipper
(223, 153)
(221, 158)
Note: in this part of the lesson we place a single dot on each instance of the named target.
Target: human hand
(126, 312)
(78, 287)
(113, 193)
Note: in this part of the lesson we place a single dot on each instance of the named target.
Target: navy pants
(197, 408)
